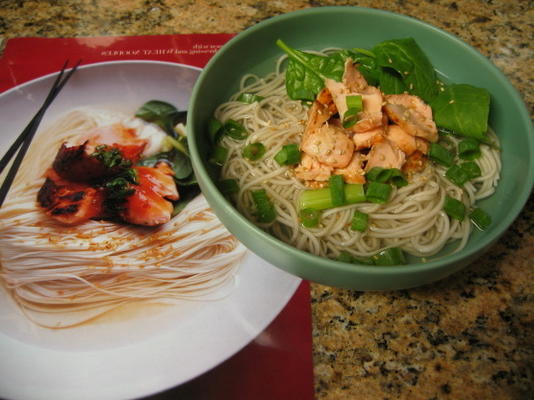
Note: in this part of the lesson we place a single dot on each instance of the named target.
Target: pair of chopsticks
(22, 143)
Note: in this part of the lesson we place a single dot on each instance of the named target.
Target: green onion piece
(254, 151)
(345, 256)
(337, 190)
(390, 256)
(457, 175)
(454, 208)
(469, 149)
(214, 130)
(355, 102)
(228, 186)
(234, 129)
(378, 192)
(397, 178)
(472, 169)
(359, 221)
(249, 98)
(480, 218)
(220, 154)
(289, 155)
(378, 174)
(265, 211)
(320, 199)
(309, 217)
(441, 155)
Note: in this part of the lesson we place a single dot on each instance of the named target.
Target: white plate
(127, 357)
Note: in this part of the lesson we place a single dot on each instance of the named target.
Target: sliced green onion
(265, 211)
(389, 256)
(320, 199)
(219, 156)
(336, 185)
(289, 155)
(354, 106)
(254, 151)
(354, 102)
(397, 178)
(454, 208)
(378, 192)
(472, 169)
(480, 218)
(457, 175)
(469, 149)
(214, 130)
(441, 155)
(359, 221)
(309, 217)
(378, 174)
(234, 129)
(249, 98)
(386, 175)
(345, 256)
(228, 186)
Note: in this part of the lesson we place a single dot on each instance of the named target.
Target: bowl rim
(331, 264)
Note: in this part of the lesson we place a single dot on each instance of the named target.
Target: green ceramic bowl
(254, 50)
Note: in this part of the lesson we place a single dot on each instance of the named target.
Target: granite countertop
(469, 336)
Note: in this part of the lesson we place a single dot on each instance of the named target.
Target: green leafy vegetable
(457, 175)
(463, 109)
(441, 155)
(410, 63)
(469, 149)
(163, 114)
(378, 192)
(472, 169)
(110, 157)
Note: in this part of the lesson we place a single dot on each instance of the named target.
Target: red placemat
(278, 363)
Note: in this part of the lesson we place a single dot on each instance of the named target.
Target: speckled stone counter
(470, 336)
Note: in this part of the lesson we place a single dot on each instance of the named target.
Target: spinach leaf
(163, 114)
(391, 82)
(179, 162)
(406, 57)
(463, 109)
(306, 72)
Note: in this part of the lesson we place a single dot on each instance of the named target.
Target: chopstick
(24, 139)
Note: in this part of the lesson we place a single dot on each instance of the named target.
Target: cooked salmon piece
(353, 78)
(149, 204)
(385, 154)
(406, 142)
(117, 136)
(371, 115)
(364, 140)
(353, 173)
(329, 144)
(310, 169)
(412, 114)
(69, 202)
(74, 163)
(415, 162)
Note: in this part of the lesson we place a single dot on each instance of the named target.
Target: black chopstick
(24, 139)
